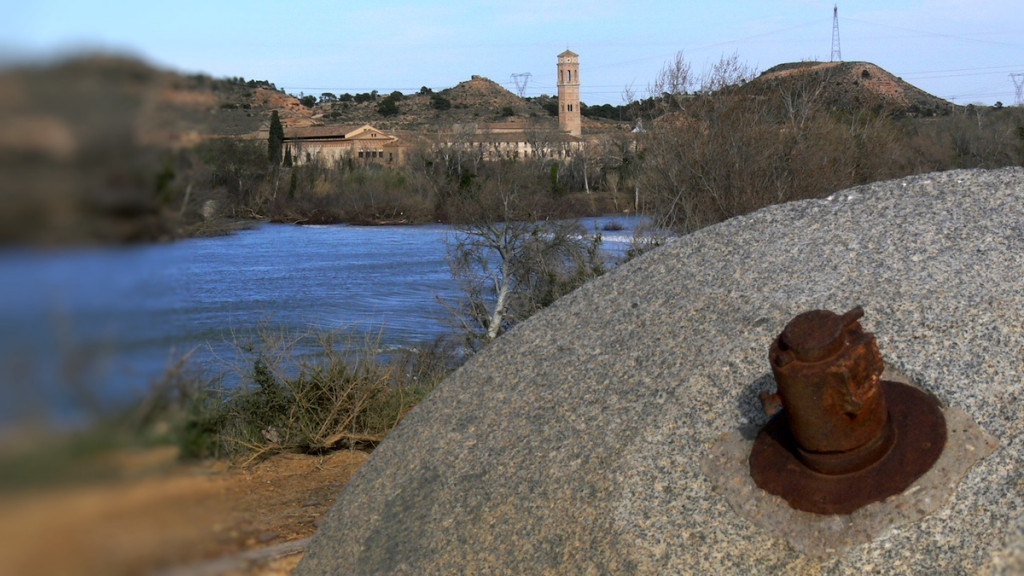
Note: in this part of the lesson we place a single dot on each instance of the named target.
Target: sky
(960, 50)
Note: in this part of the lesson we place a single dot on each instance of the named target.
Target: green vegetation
(388, 106)
(438, 102)
(275, 140)
(607, 111)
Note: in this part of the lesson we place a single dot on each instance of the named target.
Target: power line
(926, 33)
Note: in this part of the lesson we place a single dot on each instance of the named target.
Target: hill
(96, 99)
(478, 99)
(852, 86)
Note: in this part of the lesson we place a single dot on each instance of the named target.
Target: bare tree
(507, 263)
(673, 83)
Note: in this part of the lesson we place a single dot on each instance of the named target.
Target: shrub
(438, 102)
(338, 397)
(387, 107)
(365, 97)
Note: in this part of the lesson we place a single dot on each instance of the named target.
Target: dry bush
(346, 394)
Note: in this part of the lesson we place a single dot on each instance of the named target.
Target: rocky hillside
(477, 100)
(852, 86)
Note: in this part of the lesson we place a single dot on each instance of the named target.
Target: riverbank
(157, 515)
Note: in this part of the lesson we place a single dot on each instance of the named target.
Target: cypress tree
(275, 142)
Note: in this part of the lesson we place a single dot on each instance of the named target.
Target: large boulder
(580, 442)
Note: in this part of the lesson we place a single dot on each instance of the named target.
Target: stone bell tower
(569, 93)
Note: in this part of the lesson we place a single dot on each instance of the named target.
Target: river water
(98, 326)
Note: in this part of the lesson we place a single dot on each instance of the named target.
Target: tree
(275, 141)
(508, 264)
(387, 107)
(438, 102)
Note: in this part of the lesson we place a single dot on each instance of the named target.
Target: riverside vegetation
(697, 149)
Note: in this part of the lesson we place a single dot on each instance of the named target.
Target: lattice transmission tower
(1018, 84)
(837, 54)
(521, 80)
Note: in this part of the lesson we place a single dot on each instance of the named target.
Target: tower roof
(568, 53)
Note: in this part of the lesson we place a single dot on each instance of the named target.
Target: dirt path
(206, 518)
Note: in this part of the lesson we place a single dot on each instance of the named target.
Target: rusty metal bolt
(827, 370)
(843, 438)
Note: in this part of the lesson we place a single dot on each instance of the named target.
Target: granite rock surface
(576, 444)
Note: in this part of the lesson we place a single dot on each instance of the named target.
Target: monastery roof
(334, 131)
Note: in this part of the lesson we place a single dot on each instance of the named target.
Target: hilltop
(477, 100)
(850, 86)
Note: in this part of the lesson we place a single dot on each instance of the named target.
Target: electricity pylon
(837, 54)
(521, 80)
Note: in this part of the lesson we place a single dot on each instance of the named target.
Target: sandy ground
(169, 519)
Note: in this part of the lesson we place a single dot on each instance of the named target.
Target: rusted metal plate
(920, 436)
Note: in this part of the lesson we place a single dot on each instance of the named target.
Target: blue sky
(959, 50)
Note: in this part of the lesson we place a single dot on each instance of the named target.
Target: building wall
(369, 146)
(569, 117)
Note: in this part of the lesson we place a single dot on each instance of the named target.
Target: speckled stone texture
(575, 444)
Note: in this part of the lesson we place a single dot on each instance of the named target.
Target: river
(83, 329)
